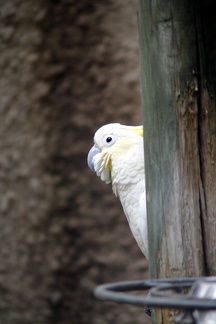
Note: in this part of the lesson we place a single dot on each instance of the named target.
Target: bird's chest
(129, 196)
(128, 183)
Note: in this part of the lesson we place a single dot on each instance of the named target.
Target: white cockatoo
(117, 157)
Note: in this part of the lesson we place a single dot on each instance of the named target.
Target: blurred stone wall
(67, 67)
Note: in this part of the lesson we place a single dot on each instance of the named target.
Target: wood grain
(178, 81)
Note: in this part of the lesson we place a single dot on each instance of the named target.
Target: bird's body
(118, 158)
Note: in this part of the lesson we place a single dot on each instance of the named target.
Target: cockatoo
(117, 157)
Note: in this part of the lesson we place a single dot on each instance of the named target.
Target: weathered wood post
(178, 80)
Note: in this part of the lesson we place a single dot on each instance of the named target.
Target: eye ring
(109, 140)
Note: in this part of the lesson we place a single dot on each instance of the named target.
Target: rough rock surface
(67, 67)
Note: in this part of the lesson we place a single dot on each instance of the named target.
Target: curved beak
(94, 150)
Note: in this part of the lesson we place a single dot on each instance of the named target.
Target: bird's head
(111, 141)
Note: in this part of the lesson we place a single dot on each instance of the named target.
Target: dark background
(66, 68)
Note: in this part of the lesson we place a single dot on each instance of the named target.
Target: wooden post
(178, 85)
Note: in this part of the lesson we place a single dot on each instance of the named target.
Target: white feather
(122, 164)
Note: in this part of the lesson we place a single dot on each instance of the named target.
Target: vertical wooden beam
(178, 86)
(206, 39)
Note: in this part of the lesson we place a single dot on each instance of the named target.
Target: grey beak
(94, 150)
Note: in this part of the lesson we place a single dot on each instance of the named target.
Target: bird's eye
(109, 140)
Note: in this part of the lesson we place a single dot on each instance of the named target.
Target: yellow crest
(137, 130)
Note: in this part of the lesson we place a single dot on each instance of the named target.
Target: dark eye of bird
(108, 139)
